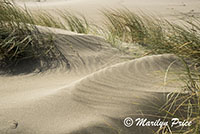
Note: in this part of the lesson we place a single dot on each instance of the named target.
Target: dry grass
(161, 36)
(21, 40)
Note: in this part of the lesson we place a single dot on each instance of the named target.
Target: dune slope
(92, 96)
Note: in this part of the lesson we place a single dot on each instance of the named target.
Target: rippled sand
(101, 88)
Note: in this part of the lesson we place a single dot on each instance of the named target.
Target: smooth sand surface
(99, 90)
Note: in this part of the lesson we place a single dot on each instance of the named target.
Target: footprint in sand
(13, 124)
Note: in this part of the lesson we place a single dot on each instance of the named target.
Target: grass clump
(125, 25)
(45, 19)
(78, 24)
(62, 20)
(161, 36)
(21, 40)
(185, 107)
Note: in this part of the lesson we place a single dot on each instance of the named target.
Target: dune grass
(157, 34)
(21, 40)
(161, 36)
(45, 19)
(62, 20)
(75, 23)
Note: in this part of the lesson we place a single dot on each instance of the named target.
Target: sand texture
(93, 96)
(102, 85)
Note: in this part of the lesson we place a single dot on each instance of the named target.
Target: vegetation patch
(22, 42)
(161, 36)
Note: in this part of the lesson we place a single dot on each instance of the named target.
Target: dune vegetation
(161, 36)
(21, 40)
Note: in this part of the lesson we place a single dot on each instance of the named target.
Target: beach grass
(21, 40)
(161, 36)
(46, 19)
(62, 20)
(75, 23)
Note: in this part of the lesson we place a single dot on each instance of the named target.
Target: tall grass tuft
(46, 19)
(75, 23)
(161, 36)
(21, 40)
(63, 20)
(125, 24)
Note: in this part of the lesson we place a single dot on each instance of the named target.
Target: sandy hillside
(101, 87)
(93, 96)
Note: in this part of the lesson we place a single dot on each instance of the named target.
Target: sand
(86, 97)
(172, 10)
(94, 96)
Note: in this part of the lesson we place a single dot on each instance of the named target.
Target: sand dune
(102, 85)
(93, 96)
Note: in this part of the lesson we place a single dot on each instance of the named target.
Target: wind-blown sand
(87, 97)
(168, 9)
(101, 88)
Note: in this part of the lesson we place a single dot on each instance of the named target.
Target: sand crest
(95, 90)
(100, 89)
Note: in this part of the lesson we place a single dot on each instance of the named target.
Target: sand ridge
(100, 87)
